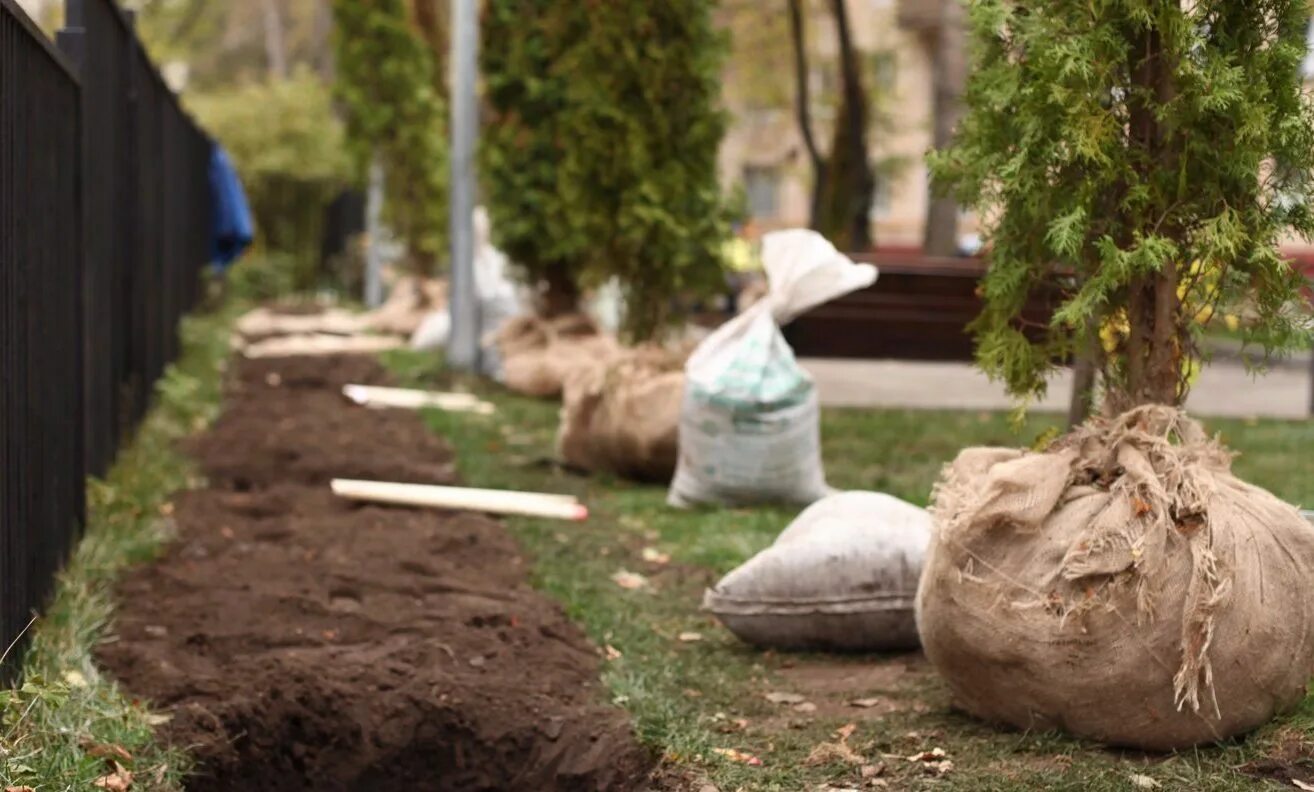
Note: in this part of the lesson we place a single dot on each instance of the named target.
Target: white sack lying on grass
(843, 576)
(264, 322)
(537, 354)
(622, 414)
(499, 301)
(1123, 586)
(749, 427)
(409, 302)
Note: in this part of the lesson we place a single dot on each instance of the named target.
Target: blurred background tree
(386, 78)
(287, 143)
(643, 113)
(599, 158)
(524, 141)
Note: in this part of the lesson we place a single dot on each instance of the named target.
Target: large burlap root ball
(622, 413)
(1122, 586)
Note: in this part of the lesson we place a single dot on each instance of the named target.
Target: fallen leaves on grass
(612, 652)
(776, 697)
(654, 556)
(727, 725)
(118, 781)
(690, 637)
(107, 751)
(158, 718)
(739, 757)
(630, 581)
(934, 761)
(19, 789)
(838, 751)
(1296, 782)
(1145, 782)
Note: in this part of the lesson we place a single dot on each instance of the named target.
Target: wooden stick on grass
(528, 504)
(405, 398)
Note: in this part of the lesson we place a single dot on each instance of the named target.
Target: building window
(881, 200)
(885, 69)
(762, 185)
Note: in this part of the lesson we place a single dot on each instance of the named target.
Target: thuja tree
(1144, 157)
(386, 86)
(640, 166)
(524, 139)
(600, 158)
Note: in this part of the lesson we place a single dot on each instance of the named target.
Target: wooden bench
(918, 309)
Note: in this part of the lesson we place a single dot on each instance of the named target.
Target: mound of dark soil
(304, 643)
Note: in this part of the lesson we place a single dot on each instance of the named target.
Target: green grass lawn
(66, 723)
(690, 698)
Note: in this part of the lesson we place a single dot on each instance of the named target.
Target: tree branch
(803, 97)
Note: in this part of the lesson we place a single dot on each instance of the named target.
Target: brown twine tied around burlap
(1054, 579)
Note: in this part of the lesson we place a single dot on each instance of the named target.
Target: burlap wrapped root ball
(622, 414)
(1122, 586)
(538, 353)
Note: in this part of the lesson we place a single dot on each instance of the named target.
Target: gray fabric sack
(843, 576)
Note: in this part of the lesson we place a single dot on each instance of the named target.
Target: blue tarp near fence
(233, 228)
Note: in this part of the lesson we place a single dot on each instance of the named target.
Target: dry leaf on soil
(738, 756)
(935, 761)
(629, 581)
(830, 752)
(784, 698)
(107, 751)
(1145, 782)
(118, 781)
(807, 708)
(866, 703)
(1297, 783)
(654, 556)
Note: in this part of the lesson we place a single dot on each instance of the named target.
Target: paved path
(1224, 389)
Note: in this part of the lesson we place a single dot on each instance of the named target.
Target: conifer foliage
(1147, 156)
(386, 86)
(599, 159)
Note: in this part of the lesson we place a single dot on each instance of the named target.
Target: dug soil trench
(299, 642)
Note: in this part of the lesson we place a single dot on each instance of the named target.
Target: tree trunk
(949, 66)
(1156, 344)
(846, 200)
(803, 109)
(432, 23)
(323, 32)
(560, 293)
(275, 44)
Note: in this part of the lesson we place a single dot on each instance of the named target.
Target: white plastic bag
(842, 576)
(499, 300)
(749, 425)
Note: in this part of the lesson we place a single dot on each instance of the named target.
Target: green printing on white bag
(756, 379)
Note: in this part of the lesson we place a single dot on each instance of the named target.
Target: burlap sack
(537, 354)
(410, 301)
(622, 414)
(842, 577)
(1123, 586)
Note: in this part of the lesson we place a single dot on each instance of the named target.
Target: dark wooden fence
(104, 231)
